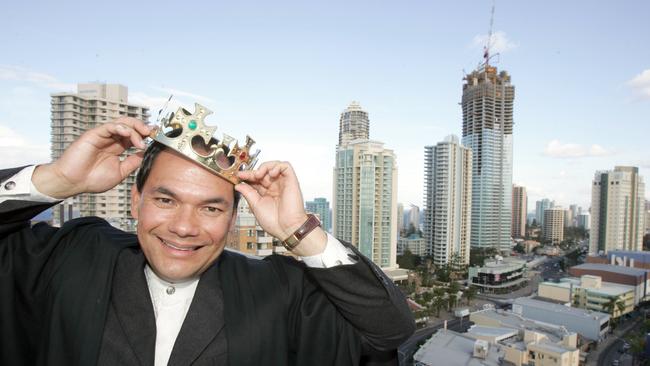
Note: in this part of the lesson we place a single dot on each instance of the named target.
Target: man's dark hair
(150, 155)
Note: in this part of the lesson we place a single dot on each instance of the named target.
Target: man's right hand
(92, 163)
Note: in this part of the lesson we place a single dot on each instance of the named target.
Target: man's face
(184, 213)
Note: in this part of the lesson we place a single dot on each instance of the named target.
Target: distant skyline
(284, 71)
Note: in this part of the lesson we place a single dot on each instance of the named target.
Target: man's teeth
(178, 248)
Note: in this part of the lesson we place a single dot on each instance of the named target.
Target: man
(90, 294)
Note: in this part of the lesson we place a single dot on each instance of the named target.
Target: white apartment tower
(72, 115)
(447, 200)
(519, 211)
(617, 210)
(364, 209)
(553, 229)
(353, 124)
(487, 105)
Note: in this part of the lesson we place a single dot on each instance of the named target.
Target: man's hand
(273, 193)
(92, 163)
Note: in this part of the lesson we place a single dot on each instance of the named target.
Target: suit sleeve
(368, 300)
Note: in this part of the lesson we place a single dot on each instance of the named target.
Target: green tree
(470, 294)
(519, 248)
(452, 294)
(408, 260)
(439, 299)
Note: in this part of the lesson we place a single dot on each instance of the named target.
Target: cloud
(499, 42)
(556, 149)
(17, 150)
(181, 93)
(17, 73)
(640, 84)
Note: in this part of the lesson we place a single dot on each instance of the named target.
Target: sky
(283, 71)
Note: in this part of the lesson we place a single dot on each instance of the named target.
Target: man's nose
(185, 222)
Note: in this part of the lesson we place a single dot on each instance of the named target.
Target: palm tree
(438, 299)
(620, 306)
(452, 294)
(470, 294)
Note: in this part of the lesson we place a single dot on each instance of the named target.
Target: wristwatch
(294, 239)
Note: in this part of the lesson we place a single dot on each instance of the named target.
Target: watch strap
(294, 239)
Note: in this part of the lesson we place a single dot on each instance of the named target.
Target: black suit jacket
(67, 293)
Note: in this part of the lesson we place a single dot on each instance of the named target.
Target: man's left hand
(273, 194)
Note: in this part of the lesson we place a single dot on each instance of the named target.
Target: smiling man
(87, 293)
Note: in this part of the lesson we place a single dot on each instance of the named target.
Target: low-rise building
(635, 277)
(524, 341)
(414, 243)
(498, 275)
(589, 292)
(589, 324)
(451, 348)
(625, 258)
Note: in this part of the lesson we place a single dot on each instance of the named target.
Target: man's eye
(212, 209)
(164, 200)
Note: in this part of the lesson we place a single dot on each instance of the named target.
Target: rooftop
(607, 288)
(612, 268)
(558, 308)
(450, 348)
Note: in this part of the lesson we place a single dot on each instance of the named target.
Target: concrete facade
(72, 115)
(365, 200)
(617, 210)
(448, 200)
(519, 210)
(553, 228)
(487, 105)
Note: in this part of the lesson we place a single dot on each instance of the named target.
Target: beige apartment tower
(72, 115)
(448, 200)
(365, 200)
(553, 229)
(519, 210)
(617, 210)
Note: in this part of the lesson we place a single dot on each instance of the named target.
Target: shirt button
(170, 290)
(10, 185)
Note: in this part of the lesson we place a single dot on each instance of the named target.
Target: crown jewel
(186, 133)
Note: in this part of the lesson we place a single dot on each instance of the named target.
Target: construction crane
(486, 48)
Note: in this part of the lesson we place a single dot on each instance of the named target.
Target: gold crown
(186, 133)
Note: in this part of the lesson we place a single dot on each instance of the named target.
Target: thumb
(130, 164)
(251, 195)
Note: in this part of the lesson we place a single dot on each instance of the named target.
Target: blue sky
(283, 71)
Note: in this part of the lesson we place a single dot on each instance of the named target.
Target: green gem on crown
(192, 125)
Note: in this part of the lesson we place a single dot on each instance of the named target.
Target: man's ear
(135, 201)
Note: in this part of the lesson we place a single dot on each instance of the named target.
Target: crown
(186, 133)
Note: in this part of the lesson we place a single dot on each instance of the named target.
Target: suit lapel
(203, 322)
(133, 305)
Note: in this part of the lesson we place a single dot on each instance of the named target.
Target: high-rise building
(617, 216)
(487, 105)
(72, 115)
(575, 211)
(365, 200)
(553, 229)
(584, 221)
(448, 200)
(414, 217)
(354, 124)
(519, 210)
(400, 218)
(541, 206)
(321, 207)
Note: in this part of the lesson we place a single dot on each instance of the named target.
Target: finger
(127, 132)
(136, 124)
(131, 163)
(250, 193)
